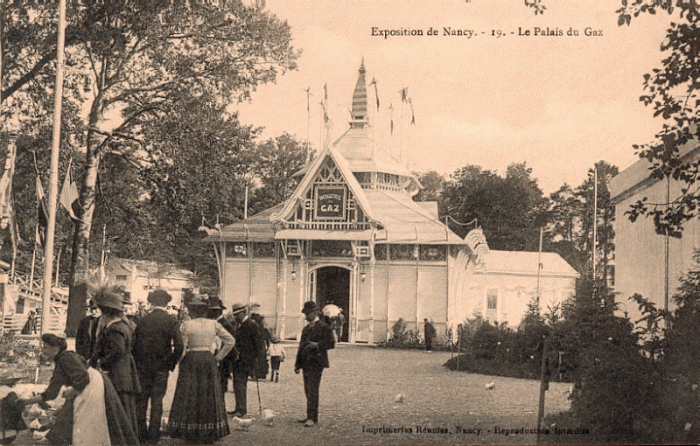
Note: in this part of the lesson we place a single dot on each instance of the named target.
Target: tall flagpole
(53, 179)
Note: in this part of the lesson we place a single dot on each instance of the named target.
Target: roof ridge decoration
(359, 116)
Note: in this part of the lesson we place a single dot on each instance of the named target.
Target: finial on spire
(359, 117)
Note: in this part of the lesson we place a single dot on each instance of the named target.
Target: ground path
(358, 393)
(358, 403)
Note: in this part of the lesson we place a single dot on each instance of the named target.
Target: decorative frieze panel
(331, 248)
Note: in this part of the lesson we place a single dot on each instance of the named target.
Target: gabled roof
(257, 228)
(306, 183)
(525, 263)
(408, 221)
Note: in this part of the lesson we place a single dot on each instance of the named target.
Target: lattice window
(432, 252)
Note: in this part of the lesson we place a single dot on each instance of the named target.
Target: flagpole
(53, 179)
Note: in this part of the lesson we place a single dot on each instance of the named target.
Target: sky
(557, 103)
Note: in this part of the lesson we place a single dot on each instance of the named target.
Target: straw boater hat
(309, 307)
(110, 299)
(159, 298)
(237, 308)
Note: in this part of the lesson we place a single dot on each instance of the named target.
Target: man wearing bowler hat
(312, 357)
(249, 344)
(87, 330)
(157, 348)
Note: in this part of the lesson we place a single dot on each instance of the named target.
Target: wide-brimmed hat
(159, 298)
(237, 308)
(215, 303)
(91, 304)
(309, 307)
(110, 299)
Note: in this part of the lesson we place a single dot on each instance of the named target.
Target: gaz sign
(330, 202)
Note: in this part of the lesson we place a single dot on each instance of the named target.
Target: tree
(672, 91)
(275, 162)
(195, 175)
(138, 61)
(433, 186)
(510, 209)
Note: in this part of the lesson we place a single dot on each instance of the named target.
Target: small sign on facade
(330, 202)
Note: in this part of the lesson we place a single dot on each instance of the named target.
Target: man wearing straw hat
(157, 347)
(249, 344)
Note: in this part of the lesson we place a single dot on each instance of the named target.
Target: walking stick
(257, 384)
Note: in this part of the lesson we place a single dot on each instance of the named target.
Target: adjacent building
(648, 263)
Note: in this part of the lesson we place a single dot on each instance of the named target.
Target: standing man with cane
(316, 339)
(249, 344)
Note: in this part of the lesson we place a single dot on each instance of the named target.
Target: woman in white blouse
(198, 412)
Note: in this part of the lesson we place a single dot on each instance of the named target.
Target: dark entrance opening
(333, 287)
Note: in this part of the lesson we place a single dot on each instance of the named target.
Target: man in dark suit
(312, 357)
(216, 312)
(249, 344)
(87, 331)
(157, 349)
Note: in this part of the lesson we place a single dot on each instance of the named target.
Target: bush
(402, 338)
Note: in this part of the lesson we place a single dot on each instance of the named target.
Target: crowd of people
(121, 366)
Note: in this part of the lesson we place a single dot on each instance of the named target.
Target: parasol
(331, 310)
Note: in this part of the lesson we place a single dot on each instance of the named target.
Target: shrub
(402, 338)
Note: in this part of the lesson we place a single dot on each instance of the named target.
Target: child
(277, 356)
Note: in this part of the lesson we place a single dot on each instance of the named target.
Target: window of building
(492, 299)
(121, 277)
(20, 306)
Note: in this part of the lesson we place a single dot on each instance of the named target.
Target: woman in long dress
(92, 414)
(198, 412)
(112, 351)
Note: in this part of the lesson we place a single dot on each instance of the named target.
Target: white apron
(90, 415)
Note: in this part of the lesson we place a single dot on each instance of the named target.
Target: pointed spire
(359, 101)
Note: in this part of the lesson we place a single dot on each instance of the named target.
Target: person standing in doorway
(341, 324)
(250, 345)
(312, 357)
(429, 333)
(157, 348)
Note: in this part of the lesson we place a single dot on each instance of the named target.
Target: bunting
(404, 94)
(308, 100)
(324, 102)
(376, 93)
(42, 213)
(69, 195)
(391, 107)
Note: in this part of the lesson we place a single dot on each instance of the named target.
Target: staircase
(31, 290)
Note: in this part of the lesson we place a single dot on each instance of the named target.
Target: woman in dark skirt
(92, 414)
(112, 351)
(198, 412)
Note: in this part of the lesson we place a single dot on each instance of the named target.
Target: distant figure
(341, 323)
(312, 357)
(87, 330)
(277, 356)
(30, 325)
(430, 333)
(157, 349)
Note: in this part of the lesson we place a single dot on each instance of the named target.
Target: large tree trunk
(80, 261)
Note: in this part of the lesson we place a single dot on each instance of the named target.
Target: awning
(322, 234)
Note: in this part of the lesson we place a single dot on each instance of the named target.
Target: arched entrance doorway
(331, 285)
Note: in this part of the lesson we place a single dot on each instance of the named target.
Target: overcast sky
(558, 103)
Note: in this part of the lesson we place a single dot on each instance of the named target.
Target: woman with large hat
(112, 351)
(198, 412)
(93, 413)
